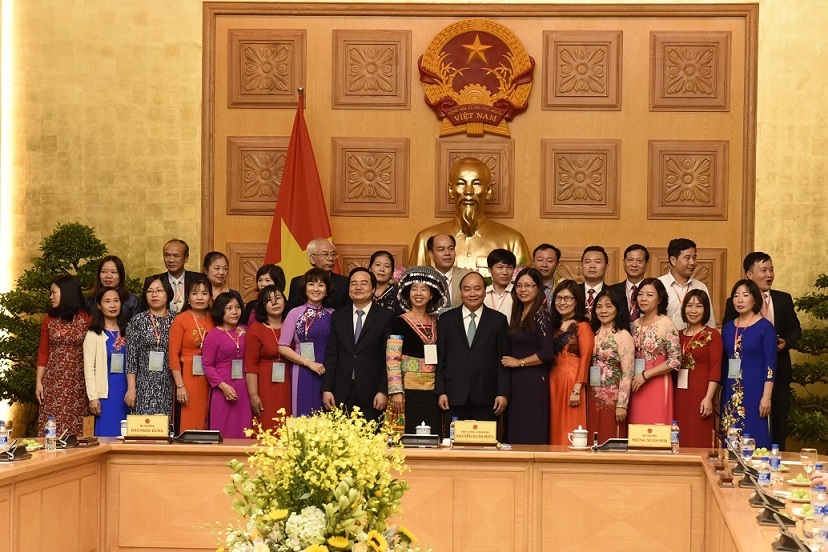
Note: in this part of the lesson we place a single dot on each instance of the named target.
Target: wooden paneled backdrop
(641, 127)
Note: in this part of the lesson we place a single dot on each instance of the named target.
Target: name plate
(472, 432)
(646, 436)
(155, 426)
(88, 426)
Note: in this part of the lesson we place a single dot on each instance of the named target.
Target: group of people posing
(545, 355)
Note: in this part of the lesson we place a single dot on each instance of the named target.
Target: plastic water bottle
(451, 430)
(51, 433)
(748, 446)
(674, 437)
(775, 458)
(733, 440)
(819, 502)
(4, 437)
(764, 473)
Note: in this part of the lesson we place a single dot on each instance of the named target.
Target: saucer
(796, 483)
(579, 448)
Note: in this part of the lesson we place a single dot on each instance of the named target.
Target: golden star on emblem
(476, 49)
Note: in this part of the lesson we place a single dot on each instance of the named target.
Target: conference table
(156, 496)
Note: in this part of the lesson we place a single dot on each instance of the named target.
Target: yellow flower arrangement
(321, 483)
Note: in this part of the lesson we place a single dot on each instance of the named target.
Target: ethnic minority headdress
(430, 277)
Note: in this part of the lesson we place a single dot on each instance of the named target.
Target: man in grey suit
(442, 254)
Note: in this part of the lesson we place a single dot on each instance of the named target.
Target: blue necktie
(360, 314)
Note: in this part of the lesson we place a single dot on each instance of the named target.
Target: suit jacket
(365, 358)
(339, 298)
(787, 327)
(457, 274)
(620, 289)
(188, 276)
(472, 374)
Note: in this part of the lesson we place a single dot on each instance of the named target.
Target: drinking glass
(748, 446)
(808, 456)
(812, 532)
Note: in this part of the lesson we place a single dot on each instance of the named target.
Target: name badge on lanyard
(116, 363)
(594, 376)
(198, 366)
(430, 353)
(306, 350)
(236, 370)
(277, 372)
(639, 366)
(734, 368)
(156, 361)
(683, 378)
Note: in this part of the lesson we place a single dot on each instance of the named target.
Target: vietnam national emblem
(476, 75)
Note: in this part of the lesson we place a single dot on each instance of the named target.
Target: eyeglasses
(525, 286)
(327, 254)
(560, 299)
(155, 291)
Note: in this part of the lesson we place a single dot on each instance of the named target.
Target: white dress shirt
(501, 302)
(676, 294)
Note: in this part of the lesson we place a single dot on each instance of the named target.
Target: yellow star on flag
(476, 49)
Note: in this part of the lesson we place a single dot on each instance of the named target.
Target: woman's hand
(764, 407)
(228, 391)
(637, 382)
(256, 403)
(39, 392)
(706, 407)
(182, 395)
(510, 362)
(129, 398)
(95, 407)
(574, 399)
(397, 401)
(620, 415)
(316, 367)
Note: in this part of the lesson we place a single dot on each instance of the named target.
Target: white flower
(307, 527)
(261, 547)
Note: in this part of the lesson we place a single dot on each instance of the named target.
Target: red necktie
(590, 300)
(633, 304)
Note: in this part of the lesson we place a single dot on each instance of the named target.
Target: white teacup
(578, 438)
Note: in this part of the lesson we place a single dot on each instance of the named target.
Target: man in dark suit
(322, 254)
(176, 255)
(778, 308)
(594, 261)
(636, 258)
(355, 358)
(471, 381)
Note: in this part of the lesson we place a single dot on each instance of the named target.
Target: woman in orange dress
(574, 339)
(186, 336)
(268, 381)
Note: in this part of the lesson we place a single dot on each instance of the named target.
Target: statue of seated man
(470, 185)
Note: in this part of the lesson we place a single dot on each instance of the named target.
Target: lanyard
(681, 297)
(235, 339)
(502, 299)
(155, 330)
(200, 329)
(736, 344)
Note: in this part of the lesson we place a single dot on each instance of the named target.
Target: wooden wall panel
(634, 125)
(569, 266)
(711, 265)
(352, 255)
(254, 173)
(5, 519)
(266, 66)
(245, 259)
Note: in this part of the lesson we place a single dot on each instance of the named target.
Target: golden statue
(470, 185)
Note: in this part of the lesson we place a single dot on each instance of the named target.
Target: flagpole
(301, 91)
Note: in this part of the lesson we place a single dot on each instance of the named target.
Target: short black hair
(622, 320)
(264, 298)
(638, 247)
(678, 245)
(663, 298)
(546, 246)
(165, 283)
(314, 275)
(381, 253)
(430, 241)
(754, 291)
(276, 274)
(703, 298)
(501, 256)
(469, 274)
(753, 258)
(219, 304)
(182, 242)
(365, 270)
(212, 257)
(597, 248)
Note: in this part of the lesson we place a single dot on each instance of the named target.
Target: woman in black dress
(527, 417)
(411, 351)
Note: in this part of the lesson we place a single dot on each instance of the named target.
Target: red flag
(300, 215)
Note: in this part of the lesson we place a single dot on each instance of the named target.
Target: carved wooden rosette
(688, 179)
(245, 259)
(254, 173)
(266, 66)
(582, 70)
(580, 178)
(690, 71)
(369, 177)
(372, 69)
(497, 154)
